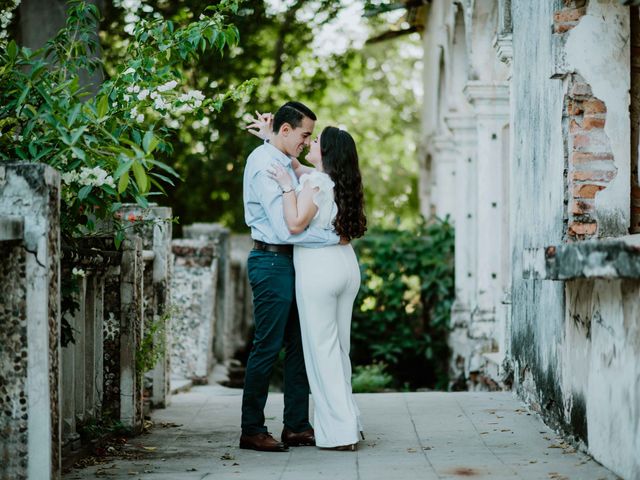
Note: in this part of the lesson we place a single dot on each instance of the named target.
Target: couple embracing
(304, 276)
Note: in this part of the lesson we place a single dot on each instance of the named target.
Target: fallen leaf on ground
(411, 450)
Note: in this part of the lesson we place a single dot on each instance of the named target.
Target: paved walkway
(408, 436)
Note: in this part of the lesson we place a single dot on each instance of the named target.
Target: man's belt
(268, 247)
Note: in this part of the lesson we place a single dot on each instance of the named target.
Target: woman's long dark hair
(340, 162)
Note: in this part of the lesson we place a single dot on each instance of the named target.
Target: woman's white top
(323, 198)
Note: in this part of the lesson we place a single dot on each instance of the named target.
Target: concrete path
(408, 436)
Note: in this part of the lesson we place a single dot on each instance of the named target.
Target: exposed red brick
(563, 27)
(588, 190)
(580, 207)
(581, 141)
(575, 127)
(593, 175)
(583, 157)
(576, 228)
(590, 122)
(574, 107)
(593, 105)
(569, 15)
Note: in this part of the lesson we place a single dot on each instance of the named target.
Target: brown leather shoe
(263, 442)
(293, 439)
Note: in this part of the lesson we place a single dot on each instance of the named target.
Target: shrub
(370, 378)
(401, 315)
(107, 140)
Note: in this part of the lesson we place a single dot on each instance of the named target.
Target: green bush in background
(370, 378)
(401, 315)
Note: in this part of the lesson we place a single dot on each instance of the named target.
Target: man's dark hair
(292, 113)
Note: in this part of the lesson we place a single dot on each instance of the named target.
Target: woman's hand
(261, 126)
(280, 175)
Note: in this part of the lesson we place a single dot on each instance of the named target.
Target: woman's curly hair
(340, 162)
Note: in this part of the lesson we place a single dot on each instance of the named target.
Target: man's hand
(261, 126)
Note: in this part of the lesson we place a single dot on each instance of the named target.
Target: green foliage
(370, 378)
(401, 315)
(110, 140)
(366, 91)
(153, 344)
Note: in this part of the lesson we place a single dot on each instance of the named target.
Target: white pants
(327, 282)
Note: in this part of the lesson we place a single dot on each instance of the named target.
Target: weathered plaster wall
(576, 344)
(601, 377)
(537, 186)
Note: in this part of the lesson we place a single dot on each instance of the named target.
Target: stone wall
(545, 196)
(30, 319)
(210, 290)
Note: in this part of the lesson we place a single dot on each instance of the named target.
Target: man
(271, 274)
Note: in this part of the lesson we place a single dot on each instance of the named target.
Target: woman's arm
(300, 210)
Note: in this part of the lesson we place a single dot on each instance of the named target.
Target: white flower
(136, 89)
(69, 177)
(159, 104)
(126, 97)
(78, 272)
(143, 94)
(130, 89)
(168, 86)
(153, 95)
(140, 118)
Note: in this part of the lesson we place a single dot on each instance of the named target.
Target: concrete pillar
(193, 290)
(131, 331)
(463, 128)
(445, 192)
(30, 323)
(224, 329)
(491, 108)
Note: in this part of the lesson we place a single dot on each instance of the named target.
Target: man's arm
(270, 197)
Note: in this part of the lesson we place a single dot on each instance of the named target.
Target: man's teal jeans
(276, 320)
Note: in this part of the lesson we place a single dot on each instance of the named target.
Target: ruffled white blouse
(323, 198)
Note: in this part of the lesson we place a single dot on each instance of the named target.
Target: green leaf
(163, 166)
(84, 192)
(141, 177)
(79, 153)
(73, 114)
(103, 106)
(75, 135)
(12, 50)
(118, 238)
(140, 200)
(149, 142)
(122, 169)
(123, 182)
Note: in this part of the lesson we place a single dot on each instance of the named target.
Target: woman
(328, 278)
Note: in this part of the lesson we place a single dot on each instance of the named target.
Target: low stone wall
(210, 289)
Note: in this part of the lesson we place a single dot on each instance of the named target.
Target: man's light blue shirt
(263, 209)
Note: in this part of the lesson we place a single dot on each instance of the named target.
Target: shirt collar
(279, 155)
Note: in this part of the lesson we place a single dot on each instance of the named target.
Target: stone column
(30, 323)
(445, 194)
(463, 128)
(131, 331)
(224, 341)
(162, 261)
(193, 290)
(491, 107)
